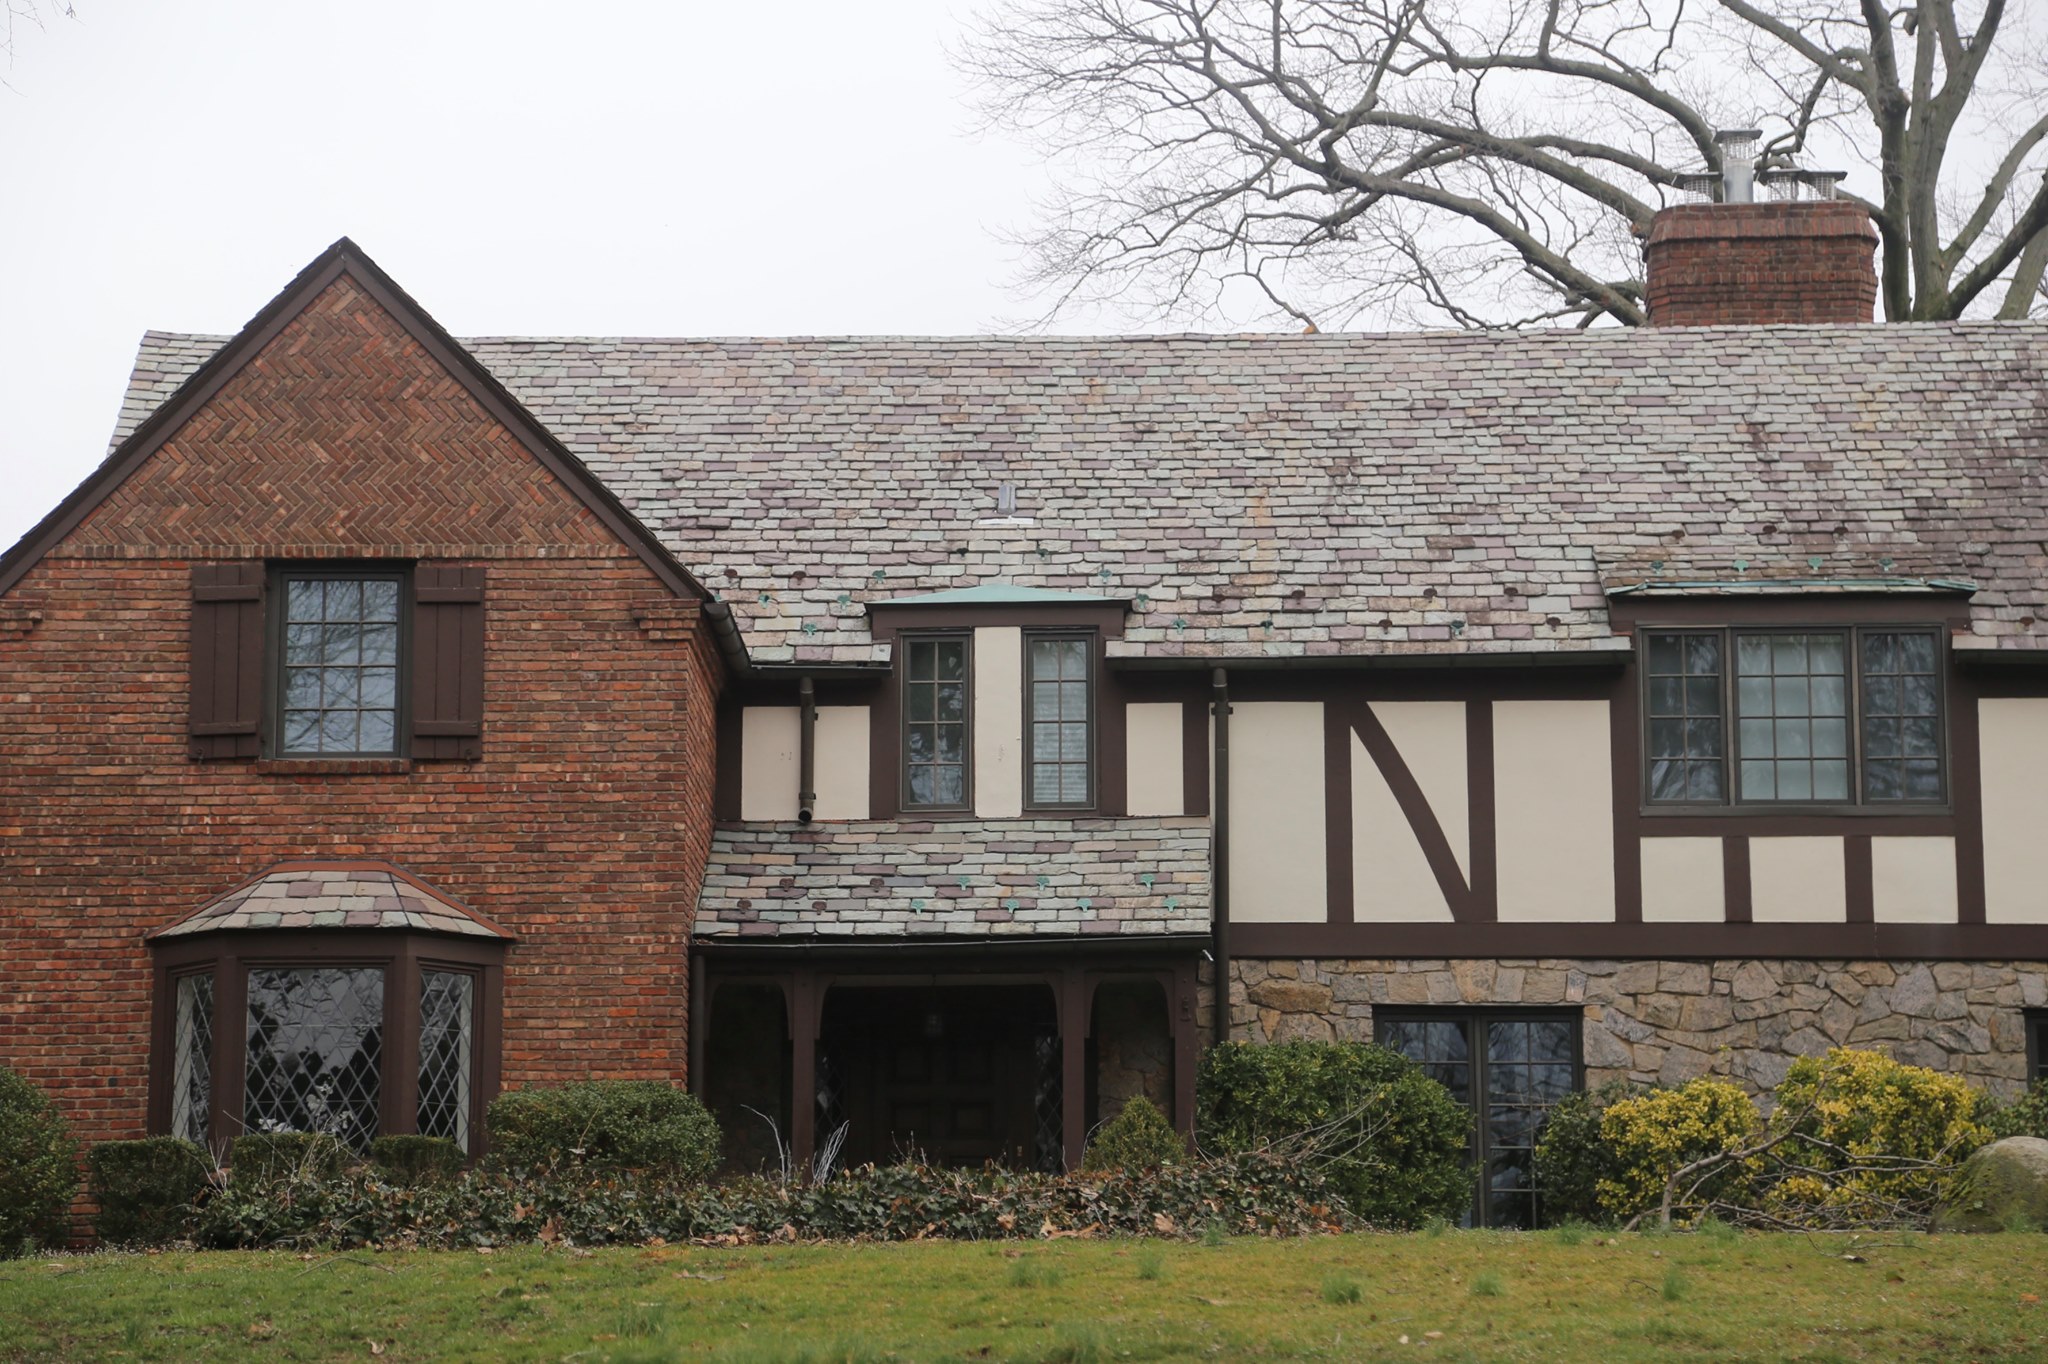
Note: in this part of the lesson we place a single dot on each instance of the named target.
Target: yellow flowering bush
(1651, 1136)
(1852, 1109)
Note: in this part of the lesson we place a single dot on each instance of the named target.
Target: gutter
(1219, 852)
(726, 631)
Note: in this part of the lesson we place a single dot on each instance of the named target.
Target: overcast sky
(663, 167)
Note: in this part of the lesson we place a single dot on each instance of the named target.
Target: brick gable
(583, 829)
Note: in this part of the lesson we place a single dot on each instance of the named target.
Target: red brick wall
(1729, 264)
(584, 828)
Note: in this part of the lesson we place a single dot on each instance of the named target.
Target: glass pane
(1666, 653)
(1917, 697)
(1703, 781)
(314, 1051)
(918, 703)
(1916, 653)
(344, 600)
(1881, 696)
(1830, 738)
(1791, 739)
(952, 660)
(1830, 696)
(1923, 779)
(301, 731)
(1825, 653)
(1045, 785)
(1883, 780)
(1788, 654)
(922, 786)
(922, 743)
(338, 687)
(1045, 659)
(1881, 737)
(1753, 696)
(380, 645)
(1073, 743)
(447, 1008)
(1667, 696)
(1880, 653)
(1756, 739)
(1758, 780)
(380, 600)
(1789, 696)
(1045, 743)
(1045, 702)
(1074, 658)
(378, 732)
(1831, 781)
(338, 731)
(1920, 738)
(1753, 655)
(1702, 655)
(1073, 784)
(1667, 779)
(301, 688)
(1073, 700)
(952, 703)
(192, 1059)
(303, 643)
(1667, 738)
(1795, 781)
(302, 600)
(1703, 696)
(949, 789)
(951, 740)
(922, 656)
(1507, 1041)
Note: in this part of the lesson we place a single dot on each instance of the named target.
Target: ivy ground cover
(1466, 1296)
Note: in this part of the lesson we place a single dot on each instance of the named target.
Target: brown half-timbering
(1735, 889)
(1194, 757)
(1808, 941)
(1337, 827)
(1359, 719)
(1482, 810)
(231, 954)
(1856, 884)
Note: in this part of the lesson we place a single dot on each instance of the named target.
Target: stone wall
(1669, 1021)
(1133, 1049)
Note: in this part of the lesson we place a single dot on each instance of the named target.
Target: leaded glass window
(1901, 717)
(192, 1058)
(1792, 706)
(1060, 745)
(935, 722)
(447, 1014)
(314, 1051)
(341, 660)
(1687, 753)
(1509, 1068)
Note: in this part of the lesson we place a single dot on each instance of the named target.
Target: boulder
(2002, 1187)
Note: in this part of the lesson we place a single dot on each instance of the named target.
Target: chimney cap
(1730, 136)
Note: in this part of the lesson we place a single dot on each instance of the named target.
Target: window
(1059, 748)
(1795, 696)
(1508, 1066)
(339, 677)
(935, 722)
(310, 1045)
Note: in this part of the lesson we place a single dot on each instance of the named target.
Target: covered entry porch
(959, 1053)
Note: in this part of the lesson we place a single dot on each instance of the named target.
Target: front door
(1506, 1065)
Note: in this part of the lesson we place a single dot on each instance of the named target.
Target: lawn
(1452, 1296)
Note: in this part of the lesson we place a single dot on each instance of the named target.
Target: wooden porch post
(1073, 1009)
(1187, 1047)
(803, 1071)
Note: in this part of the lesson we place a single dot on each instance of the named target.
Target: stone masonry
(1667, 1022)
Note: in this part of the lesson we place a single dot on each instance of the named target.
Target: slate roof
(1422, 492)
(334, 895)
(959, 879)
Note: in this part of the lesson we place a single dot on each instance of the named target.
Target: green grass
(1726, 1296)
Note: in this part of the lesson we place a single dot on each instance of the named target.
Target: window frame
(1475, 1017)
(905, 642)
(1091, 642)
(281, 575)
(403, 956)
(1853, 633)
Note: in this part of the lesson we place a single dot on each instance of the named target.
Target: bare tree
(19, 15)
(1496, 162)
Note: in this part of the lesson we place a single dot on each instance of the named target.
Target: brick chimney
(1744, 264)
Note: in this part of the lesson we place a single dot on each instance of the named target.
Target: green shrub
(605, 1125)
(262, 1158)
(146, 1190)
(1257, 1194)
(1389, 1138)
(1138, 1138)
(1571, 1156)
(1861, 1109)
(414, 1159)
(2026, 1116)
(1652, 1136)
(38, 1168)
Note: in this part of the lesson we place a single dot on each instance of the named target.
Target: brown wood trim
(1422, 821)
(1856, 879)
(1630, 615)
(1194, 757)
(1625, 773)
(1735, 886)
(1927, 942)
(725, 790)
(1482, 810)
(1337, 820)
(345, 257)
(1965, 778)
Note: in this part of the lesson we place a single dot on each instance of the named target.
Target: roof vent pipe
(806, 752)
(1738, 164)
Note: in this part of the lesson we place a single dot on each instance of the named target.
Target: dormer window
(935, 722)
(1794, 716)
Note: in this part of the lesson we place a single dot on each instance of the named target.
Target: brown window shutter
(447, 662)
(227, 660)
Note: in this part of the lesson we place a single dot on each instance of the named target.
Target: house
(956, 734)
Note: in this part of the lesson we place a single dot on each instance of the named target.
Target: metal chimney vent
(1738, 163)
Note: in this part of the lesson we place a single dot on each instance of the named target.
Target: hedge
(146, 1190)
(38, 1168)
(643, 1125)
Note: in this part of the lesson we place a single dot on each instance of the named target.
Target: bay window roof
(335, 894)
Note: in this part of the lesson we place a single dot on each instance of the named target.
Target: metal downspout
(806, 752)
(1219, 855)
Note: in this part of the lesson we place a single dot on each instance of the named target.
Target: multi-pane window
(1058, 713)
(314, 1051)
(192, 1057)
(340, 673)
(1822, 717)
(935, 722)
(447, 1008)
(1509, 1068)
